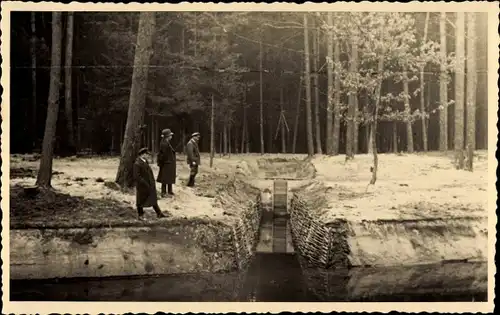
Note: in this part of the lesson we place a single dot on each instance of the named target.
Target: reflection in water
(275, 278)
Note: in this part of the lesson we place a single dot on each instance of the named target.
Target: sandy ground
(408, 186)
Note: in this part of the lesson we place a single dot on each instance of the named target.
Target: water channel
(275, 275)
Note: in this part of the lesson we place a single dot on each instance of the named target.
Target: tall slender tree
(315, 61)
(352, 99)
(443, 87)
(137, 100)
(33, 80)
(297, 115)
(261, 56)
(471, 88)
(68, 88)
(212, 132)
(459, 88)
(330, 104)
(408, 117)
(422, 89)
(336, 100)
(45, 171)
(307, 75)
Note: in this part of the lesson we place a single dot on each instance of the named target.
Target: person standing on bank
(166, 163)
(145, 185)
(193, 157)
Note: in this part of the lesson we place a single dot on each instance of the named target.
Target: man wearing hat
(193, 157)
(166, 163)
(145, 185)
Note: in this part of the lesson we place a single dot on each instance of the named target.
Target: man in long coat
(145, 185)
(193, 157)
(167, 163)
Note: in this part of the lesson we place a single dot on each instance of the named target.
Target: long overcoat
(145, 184)
(192, 152)
(167, 163)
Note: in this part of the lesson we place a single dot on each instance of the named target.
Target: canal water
(275, 275)
(273, 278)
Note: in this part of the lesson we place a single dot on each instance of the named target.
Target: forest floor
(408, 187)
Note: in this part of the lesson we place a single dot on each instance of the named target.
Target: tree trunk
(408, 118)
(224, 139)
(471, 88)
(244, 129)
(422, 90)
(33, 128)
(355, 124)
(459, 89)
(315, 60)
(212, 132)
(352, 103)
(143, 52)
(443, 88)
(152, 136)
(297, 115)
(45, 171)
(329, 108)
(283, 122)
(370, 140)
(261, 98)
(336, 101)
(380, 70)
(221, 143)
(395, 136)
(307, 74)
(229, 139)
(67, 83)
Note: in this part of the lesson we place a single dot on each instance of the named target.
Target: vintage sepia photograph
(339, 153)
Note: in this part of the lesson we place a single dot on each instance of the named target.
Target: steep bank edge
(342, 243)
(174, 247)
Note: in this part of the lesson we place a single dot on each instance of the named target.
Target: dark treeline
(197, 55)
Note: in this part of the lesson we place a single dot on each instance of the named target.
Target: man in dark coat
(193, 157)
(167, 163)
(145, 185)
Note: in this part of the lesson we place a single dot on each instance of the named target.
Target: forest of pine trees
(267, 82)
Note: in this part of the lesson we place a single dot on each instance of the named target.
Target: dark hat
(195, 134)
(167, 132)
(143, 150)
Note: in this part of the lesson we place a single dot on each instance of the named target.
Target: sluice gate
(275, 235)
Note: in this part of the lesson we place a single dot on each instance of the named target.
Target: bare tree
(336, 101)
(409, 129)
(459, 89)
(422, 89)
(307, 75)
(471, 88)
(33, 79)
(45, 172)
(380, 70)
(443, 88)
(297, 115)
(330, 104)
(315, 61)
(131, 141)
(68, 100)
(351, 111)
(212, 132)
(261, 98)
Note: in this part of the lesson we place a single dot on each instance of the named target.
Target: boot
(191, 181)
(163, 190)
(170, 192)
(159, 214)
